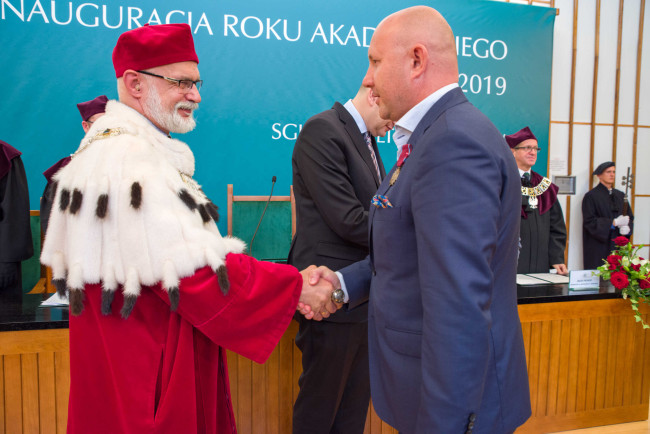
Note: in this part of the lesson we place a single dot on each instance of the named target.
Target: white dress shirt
(403, 130)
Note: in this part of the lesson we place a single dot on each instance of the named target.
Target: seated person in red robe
(156, 293)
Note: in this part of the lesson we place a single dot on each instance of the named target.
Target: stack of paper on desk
(540, 279)
(55, 300)
(550, 277)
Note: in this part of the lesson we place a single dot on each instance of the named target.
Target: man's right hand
(313, 279)
(621, 220)
(316, 298)
(322, 272)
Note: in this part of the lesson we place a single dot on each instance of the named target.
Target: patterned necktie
(368, 140)
(525, 179)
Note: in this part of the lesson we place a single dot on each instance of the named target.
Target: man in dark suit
(606, 214)
(15, 232)
(336, 171)
(445, 341)
(542, 230)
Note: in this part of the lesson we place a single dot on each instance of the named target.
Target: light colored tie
(366, 137)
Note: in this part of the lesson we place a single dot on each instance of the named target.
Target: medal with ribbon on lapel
(406, 151)
(381, 200)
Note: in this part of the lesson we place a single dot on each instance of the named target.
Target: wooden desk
(586, 362)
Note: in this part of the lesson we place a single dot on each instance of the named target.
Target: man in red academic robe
(156, 293)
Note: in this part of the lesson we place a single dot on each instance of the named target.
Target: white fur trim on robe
(162, 240)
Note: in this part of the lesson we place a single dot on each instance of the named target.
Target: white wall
(605, 107)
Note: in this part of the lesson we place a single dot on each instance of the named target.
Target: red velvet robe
(165, 372)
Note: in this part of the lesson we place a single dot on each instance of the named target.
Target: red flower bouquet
(629, 273)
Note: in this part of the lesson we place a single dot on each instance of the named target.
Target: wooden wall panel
(601, 365)
(563, 369)
(584, 362)
(554, 368)
(34, 383)
(272, 393)
(29, 373)
(263, 395)
(62, 385)
(2, 396)
(290, 367)
(244, 387)
(46, 393)
(13, 395)
(592, 370)
(574, 357)
(232, 378)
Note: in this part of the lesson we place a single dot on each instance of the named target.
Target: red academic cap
(523, 134)
(92, 107)
(149, 46)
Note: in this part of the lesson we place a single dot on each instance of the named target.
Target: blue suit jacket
(445, 340)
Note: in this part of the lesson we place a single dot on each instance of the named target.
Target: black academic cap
(604, 166)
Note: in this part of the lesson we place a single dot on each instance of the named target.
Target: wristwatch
(338, 296)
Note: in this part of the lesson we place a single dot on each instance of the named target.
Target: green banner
(267, 67)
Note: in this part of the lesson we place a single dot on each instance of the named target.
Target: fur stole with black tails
(127, 213)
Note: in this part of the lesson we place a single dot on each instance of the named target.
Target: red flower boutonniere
(406, 151)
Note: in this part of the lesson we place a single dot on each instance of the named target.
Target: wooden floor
(642, 427)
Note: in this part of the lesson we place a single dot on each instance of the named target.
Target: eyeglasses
(183, 85)
(529, 148)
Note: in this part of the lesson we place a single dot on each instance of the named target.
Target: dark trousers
(12, 293)
(335, 384)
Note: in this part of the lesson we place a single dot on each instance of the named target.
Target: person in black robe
(542, 228)
(603, 217)
(15, 232)
(90, 111)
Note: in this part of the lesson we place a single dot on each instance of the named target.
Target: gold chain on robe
(534, 192)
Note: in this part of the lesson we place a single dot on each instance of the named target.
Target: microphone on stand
(250, 246)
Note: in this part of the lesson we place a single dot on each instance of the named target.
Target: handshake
(319, 297)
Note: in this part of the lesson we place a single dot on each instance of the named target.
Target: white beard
(171, 121)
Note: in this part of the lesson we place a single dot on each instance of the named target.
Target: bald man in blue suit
(445, 342)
